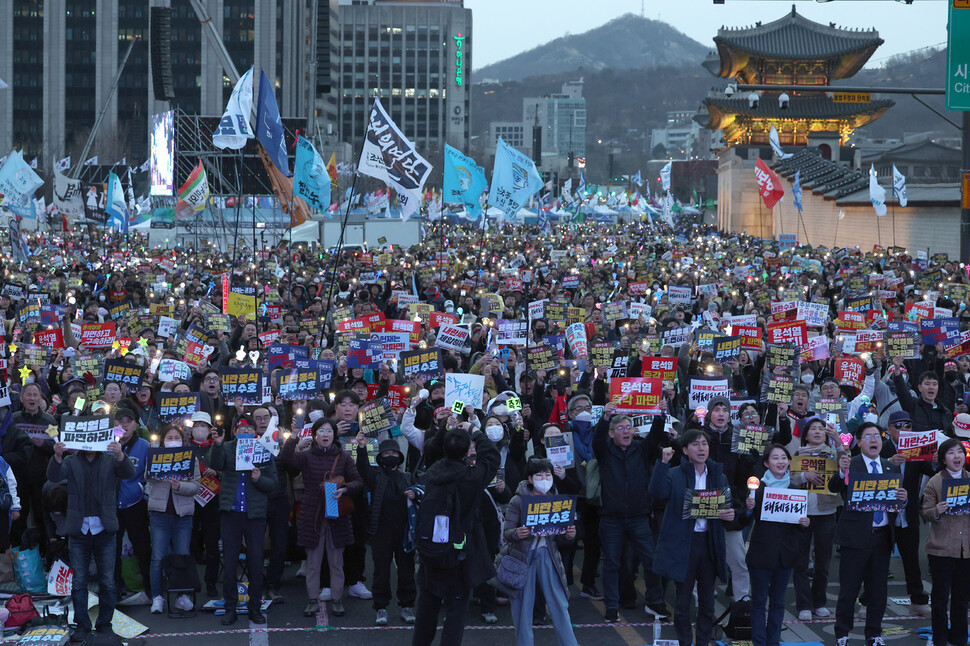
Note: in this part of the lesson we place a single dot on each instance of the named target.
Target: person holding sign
(774, 547)
(694, 549)
(866, 539)
(242, 501)
(206, 518)
(92, 480)
(541, 556)
(948, 546)
(171, 505)
(926, 412)
(132, 506)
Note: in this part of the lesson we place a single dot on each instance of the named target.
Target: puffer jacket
(183, 500)
(519, 548)
(950, 533)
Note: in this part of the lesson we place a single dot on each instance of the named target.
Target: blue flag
(582, 184)
(269, 126)
(115, 206)
(18, 244)
(310, 179)
(514, 179)
(464, 182)
(18, 182)
(638, 179)
(796, 191)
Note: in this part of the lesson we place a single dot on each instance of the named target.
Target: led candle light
(753, 484)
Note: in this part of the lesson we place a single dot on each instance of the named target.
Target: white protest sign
(679, 294)
(167, 326)
(637, 310)
(784, 505)
(537, 310)
(170, 369)
(468, 389)
(451, 337)
(704, 389)
(59, 579)
(89, 433)
(814, 314)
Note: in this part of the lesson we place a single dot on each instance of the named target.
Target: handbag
(345, 505)
(511, 572)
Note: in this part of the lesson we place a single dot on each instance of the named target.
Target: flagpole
(235, 235)
(878, 231)
(256, 259)
(894, 223)
(836, 238)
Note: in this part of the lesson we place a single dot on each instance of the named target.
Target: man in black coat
(866, 539)
(452, 587)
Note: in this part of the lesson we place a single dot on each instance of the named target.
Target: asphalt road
(286, 625)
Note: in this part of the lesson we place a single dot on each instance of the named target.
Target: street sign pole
(958, 98)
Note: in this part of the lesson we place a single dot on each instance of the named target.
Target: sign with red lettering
(850, 320)
(98, 335)
(636, 395)
(413, 328)
(437, 319)
(850, 371)
(917, 446)
(784, 311)
(750, 336)
(769, 186)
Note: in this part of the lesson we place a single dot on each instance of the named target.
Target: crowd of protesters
(441, 496)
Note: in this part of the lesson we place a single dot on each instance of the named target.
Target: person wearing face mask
(205, 520)
(387, 526)
(546, 571)
(171, 505)
(132, 506)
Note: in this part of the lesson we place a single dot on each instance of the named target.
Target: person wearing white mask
(171, 505)
(580, 423)
(539, 553)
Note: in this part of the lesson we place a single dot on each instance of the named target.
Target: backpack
(21, 609)
(739, 619)
(439, 535)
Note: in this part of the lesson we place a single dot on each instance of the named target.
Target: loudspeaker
(161, 46)
(537, 145)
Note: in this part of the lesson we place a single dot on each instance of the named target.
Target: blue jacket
(132, 489)
(676, 534)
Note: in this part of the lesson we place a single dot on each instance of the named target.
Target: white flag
(3, 85)
(387, 155)
(234, 129)
(877, 194)
(92, 161)
(567, 185)
(841, 214)
(899, 187)
(64, 164)
(776, 145)
(144, 168)
(665, 176)
(67, 195)
(122, 162)
(33, 163)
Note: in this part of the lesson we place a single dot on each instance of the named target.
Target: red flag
(769, 186)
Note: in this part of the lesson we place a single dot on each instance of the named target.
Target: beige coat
(184, 499)
(949, 534)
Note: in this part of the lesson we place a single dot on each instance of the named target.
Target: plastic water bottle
(656, 630)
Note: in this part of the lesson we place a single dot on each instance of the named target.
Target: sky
(503, 28)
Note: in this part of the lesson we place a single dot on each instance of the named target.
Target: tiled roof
(799, 107)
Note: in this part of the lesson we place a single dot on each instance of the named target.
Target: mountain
(627, 42)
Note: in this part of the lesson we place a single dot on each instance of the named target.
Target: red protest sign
(50, 338)
(784, 311)
(413, 328)
(98, 335)
(915, 312)
(850, 371)
(438, 318)
(769, 186)
(638, 288)
(788, 332)
(850, 320)
(636, 395)
(750, 336)
(662, 368)
(917, 446)
(352, 326)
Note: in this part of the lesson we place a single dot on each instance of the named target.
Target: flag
(33, 163)
(310, 178)
(841, 214)
(67, 195)
(18, 181)
(582, 184)
(144, 168)
(637, 179)
(121, 162)
(514, 179)
(899, 187)
(389, 156)
(116, 207)
(194, 194)
(769, 186)
(332, 171)
(64, 164)
(665, 176)
(18, 244)
(233, 131)
(877, 194)
(269, 126)
(463, 182)
(91, 162)
(3, 85)
(776, 145)
(567, 185)
(796, 191)
(648, 191)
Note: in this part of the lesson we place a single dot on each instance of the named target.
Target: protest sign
(862, 341)
(246, 383)
(376, 416)
(250, 453)
(940, 330)
(543, 357)
(421, 364)
(780, 389)
(601, 353)
(784, 310)
(172, 406)
(677, 336)
(727, 348)
(512, 332)
(750, 438)
(208, 489)
(787, 332)
(86, 433)
(468, 389)
(411, 328)
(549, 515)
(873, 492)
(814, 314)
(850, 321)
(437, 319)
(296, 384)
(559, 450)
(956, 494)
(917, 446)
(365, 353)
(576, 341)
(50, 338)
(703, 389)
(98, 335)
(59, 584)
(962, 346)
(170, 370)
(169, 464)
(392, 343)
(823, 465)
(784, 505)
(815, 349)
(850, 371)
(59, 581)
(705, 503)
(680, 294)
(122, 372)
(451, 337)
(636, 395)
(750, 336)
(903, 344)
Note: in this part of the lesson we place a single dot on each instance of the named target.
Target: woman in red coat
(319, 459)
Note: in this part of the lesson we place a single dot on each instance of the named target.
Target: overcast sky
(504, 28)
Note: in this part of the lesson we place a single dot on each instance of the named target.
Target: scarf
(771, 481)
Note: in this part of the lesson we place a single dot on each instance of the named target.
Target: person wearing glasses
(625, 467)
(866, 540)
(211, 401)
(907, 523)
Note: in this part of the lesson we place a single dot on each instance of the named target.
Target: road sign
(958, 56)
(851, 97)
